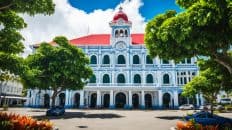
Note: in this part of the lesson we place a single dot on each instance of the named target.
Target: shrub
(191, 125)
(17, 122)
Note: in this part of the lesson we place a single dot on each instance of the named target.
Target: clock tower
(120, 35)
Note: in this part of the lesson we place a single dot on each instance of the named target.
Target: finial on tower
(120, 8)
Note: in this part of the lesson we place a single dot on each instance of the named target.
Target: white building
(11, 93)
(124, 74)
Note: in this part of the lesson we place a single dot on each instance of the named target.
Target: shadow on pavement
(69, 115)
(170, 117)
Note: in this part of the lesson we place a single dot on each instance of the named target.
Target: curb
(173, 128)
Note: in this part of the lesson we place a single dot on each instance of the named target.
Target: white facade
(125, 76)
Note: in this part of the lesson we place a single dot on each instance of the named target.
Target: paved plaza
(111, 119)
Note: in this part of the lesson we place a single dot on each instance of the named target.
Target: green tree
(57, 67)
(212, 78)
(204, 28)
(10, 25)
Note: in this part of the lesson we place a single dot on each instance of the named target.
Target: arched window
(126, 33)
(148, 60)
(149, 78)
(93, 59)
(135, 59)
(92, 79)
(166, 79)
(106, 59)
(165, 61)
(137, 78)
(106, 78)
(188, 60)
(121, 78)
(116, 33)
(121, 33)
(121, 59)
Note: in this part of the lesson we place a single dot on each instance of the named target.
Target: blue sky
(76, 18)
(148, 10)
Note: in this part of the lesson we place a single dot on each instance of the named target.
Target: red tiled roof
(103, 40)
(137, 39)
(95, 39)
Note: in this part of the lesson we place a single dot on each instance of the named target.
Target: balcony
(120, 65)
(123, 84)
(106, 65)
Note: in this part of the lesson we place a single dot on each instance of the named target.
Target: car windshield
(202, 115)
(226, 99)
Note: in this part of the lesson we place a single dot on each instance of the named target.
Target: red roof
(121, 15)
(103, 40)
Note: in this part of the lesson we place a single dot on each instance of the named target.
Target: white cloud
(72, 22)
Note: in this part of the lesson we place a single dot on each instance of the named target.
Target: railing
(120, 65)
(123, 84)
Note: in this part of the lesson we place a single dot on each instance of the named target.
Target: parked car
(206, 118)
(55, 111)
(204, 107)
(186, 107)
(218, 107)
(208, 107)
(225, 101)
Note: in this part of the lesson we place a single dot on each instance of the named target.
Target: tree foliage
(213, 77)
(10, 25)
(58, 67)
(204, 28)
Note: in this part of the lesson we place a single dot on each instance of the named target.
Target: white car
(186, 107)
(225, 101)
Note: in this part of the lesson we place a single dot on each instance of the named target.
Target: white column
(160, 98)
(130, 99)
(82, 98)
(197, 98)
(111, 98)
(51, 93)
(174, 78)
(159, 79)
(142, 98)
(176, 104)
(98, 98)
(202, 99)
(66, 98)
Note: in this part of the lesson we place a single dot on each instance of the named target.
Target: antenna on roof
(120, 7)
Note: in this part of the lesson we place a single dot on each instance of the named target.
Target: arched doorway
(77, 100)
(182, 100)
(166, 101)
(46, 101)
(93, 102)
(135, 101)
(106, 101)
(120, 100)
(62, 99)
(148, 101)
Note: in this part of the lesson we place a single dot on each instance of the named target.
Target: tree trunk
(54, 97)
(211, 108)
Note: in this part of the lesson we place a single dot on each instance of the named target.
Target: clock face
(120, 45)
